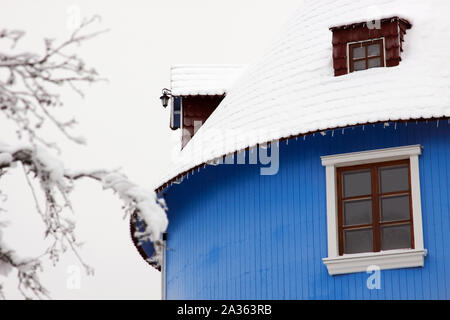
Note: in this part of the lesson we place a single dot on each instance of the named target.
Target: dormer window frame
(365, 43)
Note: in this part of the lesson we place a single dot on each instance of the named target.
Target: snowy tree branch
(27, 273)
(30, 87)
(55, 180)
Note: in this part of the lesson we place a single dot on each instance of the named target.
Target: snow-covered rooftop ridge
(292, 90)
(203, 79)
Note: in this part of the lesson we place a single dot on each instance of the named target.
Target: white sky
(123, 120)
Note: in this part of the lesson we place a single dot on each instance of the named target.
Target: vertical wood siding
(234, 234)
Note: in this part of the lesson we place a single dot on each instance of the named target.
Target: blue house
(322, 170)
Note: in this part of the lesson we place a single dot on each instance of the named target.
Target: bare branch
(29, 94)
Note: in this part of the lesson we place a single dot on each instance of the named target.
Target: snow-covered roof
(203, 79)
(291, 90)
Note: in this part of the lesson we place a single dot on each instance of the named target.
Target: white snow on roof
(292, 89)
(203, 79)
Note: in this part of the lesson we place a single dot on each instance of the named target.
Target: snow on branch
(27, 272)
(56, 182)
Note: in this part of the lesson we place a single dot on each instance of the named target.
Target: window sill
(393, 259)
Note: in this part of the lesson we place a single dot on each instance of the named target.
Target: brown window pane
(374, 63)
(359, 52)
(395, 208)
(374, 50)
(357, 212)
(396, 237)
(394, 179)
(359, 65)
(358, 241)
(357, 183)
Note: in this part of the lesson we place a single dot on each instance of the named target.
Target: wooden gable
(195, 111)
(392, 30)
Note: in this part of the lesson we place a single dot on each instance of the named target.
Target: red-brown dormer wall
(196, 110)
(392, 29)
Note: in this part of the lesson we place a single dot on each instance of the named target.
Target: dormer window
(366, 55)
(362, 46)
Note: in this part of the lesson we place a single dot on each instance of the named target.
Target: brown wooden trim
(378, 164)
(405, 22)
(411, 213)
(376, 210)
(365, 197)
(353, 227)
(375, 197)
(340, 215)
(394, 193)
(388, 223)
(142, 253)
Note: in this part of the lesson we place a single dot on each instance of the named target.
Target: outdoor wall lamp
(166, 95)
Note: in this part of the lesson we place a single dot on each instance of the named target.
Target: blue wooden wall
(234, 234)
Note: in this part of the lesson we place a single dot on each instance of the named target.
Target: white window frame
(355, 42)
(392, 259)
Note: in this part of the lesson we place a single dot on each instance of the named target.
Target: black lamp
(166, 94)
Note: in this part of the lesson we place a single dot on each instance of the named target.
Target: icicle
(364, 127)
(287, 142)
(304, 137)
(343, 130)
(406, 124)
(332, 133)
(314, 134)
(179, 181)
(395, 126)
(437, 124)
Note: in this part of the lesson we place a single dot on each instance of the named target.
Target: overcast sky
(122, 119)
